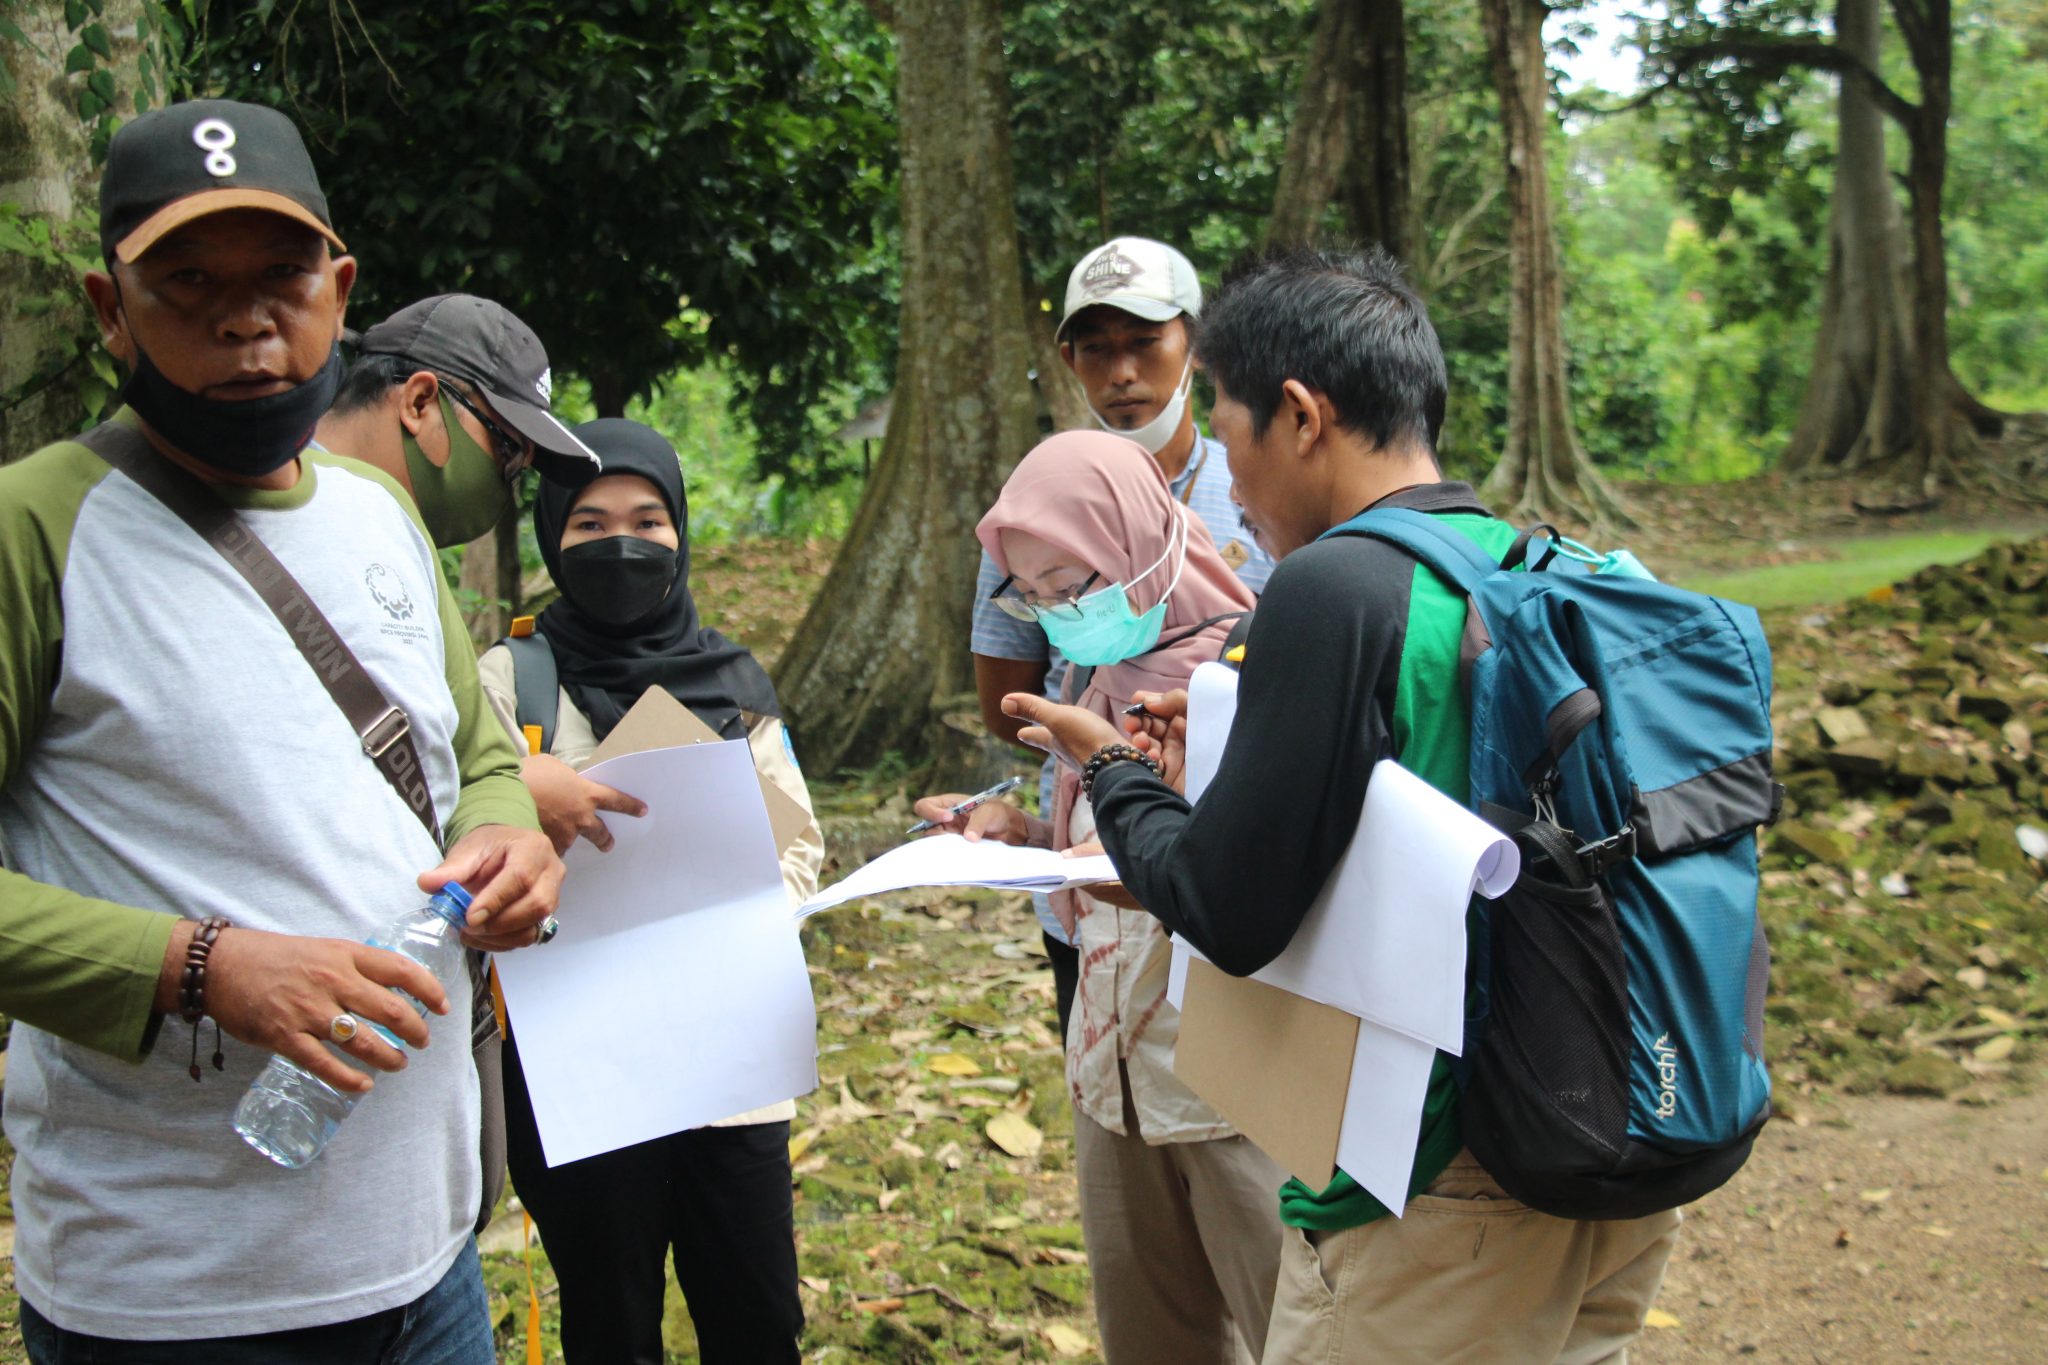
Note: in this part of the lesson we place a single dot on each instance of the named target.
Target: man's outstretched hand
(1070, 733)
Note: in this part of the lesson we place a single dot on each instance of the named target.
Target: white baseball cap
(1134, 275)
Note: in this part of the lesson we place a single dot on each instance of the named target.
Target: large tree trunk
(1062, 393)
(489, 577)
(1349, 134)
(1376, 173)
(1882, 399)
(47, 378)
(1318, 135)
(1951, 419)
(1543, 473)
(1858, 408)
(887, 635)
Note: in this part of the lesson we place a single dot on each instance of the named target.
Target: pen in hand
(953, 812)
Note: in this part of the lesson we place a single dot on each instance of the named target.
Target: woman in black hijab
(719, 1196)
(626, 620)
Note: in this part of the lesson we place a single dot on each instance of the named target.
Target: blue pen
(969, 804)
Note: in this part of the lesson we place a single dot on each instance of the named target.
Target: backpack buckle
(1601, 856)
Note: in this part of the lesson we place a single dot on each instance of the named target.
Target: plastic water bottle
(289, 1114)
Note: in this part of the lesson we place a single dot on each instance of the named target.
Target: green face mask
(464, 498)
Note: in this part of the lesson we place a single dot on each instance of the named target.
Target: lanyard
(1195, 475)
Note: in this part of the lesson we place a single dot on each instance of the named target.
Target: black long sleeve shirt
(1236, 873)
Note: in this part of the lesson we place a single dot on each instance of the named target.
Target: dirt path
(1884, 1230)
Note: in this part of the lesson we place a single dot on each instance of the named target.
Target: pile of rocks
(1904, 890)
(1930, 698)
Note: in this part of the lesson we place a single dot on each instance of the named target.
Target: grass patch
(1852, 567)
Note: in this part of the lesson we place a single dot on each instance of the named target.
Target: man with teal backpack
(1374, 639)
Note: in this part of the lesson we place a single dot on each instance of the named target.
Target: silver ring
(549, 927)
(343, 1027)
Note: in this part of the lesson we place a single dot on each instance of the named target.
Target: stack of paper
(1375, 975)
(950, 860)
(675, 994)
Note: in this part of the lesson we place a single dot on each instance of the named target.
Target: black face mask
(250, 438)
(620, 579)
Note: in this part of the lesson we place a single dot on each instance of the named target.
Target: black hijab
(607, 668)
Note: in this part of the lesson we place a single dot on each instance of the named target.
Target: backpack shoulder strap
(536, 685)
(1439, 546)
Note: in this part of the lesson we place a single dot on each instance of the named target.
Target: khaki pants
(1471, 1276)
(1183, 1244)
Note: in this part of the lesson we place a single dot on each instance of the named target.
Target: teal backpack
(1621, 732)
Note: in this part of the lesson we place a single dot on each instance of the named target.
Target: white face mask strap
(1180, 525)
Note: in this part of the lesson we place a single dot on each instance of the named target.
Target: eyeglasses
(514, 454)
(1064, 606)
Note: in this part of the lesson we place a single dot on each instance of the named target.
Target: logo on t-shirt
(389, 591)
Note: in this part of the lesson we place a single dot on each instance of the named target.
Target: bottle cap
(454, 892)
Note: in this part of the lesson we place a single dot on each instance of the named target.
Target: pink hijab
(1103, 500)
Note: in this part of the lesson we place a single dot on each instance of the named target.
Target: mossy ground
(921, 1241)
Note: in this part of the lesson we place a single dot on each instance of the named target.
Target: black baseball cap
(485, 344)
(184, 161)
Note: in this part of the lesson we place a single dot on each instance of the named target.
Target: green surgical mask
(464, 498)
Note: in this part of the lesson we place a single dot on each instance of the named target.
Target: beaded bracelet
(1108, 754)
(192, 989)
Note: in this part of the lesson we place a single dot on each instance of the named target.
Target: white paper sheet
(676, 993)
(1383, 1112)
(949, 860)
(1212, 707)
(1386, 939)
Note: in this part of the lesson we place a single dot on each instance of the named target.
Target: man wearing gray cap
(452, 397)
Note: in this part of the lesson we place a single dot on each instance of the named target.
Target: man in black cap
(451, 397)
(191, 821)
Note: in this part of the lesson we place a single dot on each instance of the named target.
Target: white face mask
(1156, 433)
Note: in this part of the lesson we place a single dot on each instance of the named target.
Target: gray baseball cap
(1134, 275)
(485, 344)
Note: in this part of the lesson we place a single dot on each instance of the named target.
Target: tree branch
(1774, 56)
(1913, 27)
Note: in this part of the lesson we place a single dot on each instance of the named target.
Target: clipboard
(1277, 1065)
(659, 721)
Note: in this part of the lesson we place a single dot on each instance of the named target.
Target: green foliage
(57, 256)
(718, 448)
(1165, 121)
(1997, 203)
(604, 169)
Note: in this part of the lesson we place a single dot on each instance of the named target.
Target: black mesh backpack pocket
(1549, 1079)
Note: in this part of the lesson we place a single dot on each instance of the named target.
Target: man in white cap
(1127, 333)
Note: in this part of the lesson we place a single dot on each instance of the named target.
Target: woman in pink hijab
(1182, 1228)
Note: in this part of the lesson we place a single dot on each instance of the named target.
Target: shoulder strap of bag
(383, 727)
(1442, 548)
(536, 686)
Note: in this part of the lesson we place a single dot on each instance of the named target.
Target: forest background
(1752, 286)
(1687, 243)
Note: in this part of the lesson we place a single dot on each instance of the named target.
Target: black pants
(1066, 974)
(720, 1197)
